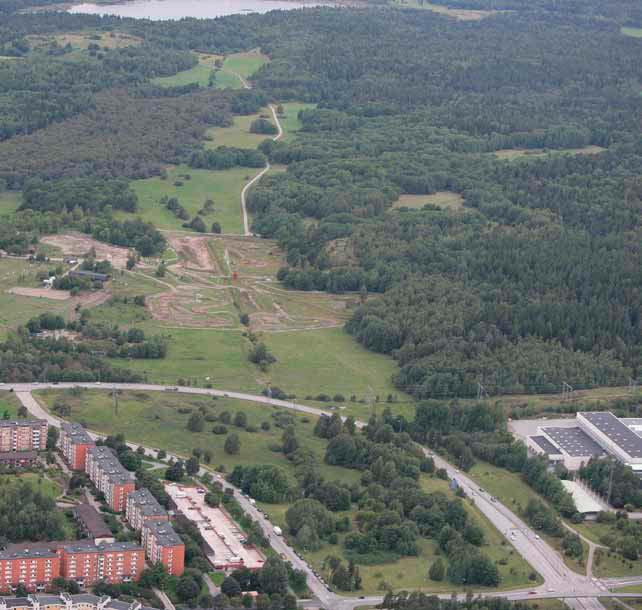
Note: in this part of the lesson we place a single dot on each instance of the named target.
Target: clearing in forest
(455, 13)
(442, 199)
(80, 41)
(199, 74)
(238, 134)
(192, 188)
(518, 153)
(77, 245)
(9, 202)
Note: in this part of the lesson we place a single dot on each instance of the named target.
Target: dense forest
(531, 281)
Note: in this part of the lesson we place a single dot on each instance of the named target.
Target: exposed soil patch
(188, 307)
(442, 199)
(41, 293)
(77, 245)
(193, 252)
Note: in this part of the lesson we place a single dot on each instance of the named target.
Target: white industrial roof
(584, 502)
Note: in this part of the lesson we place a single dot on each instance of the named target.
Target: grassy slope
(10, 404)
(237, 135)
(290, 121)
(46, 486)
(9, 202)
(14, 309)
(223, 187)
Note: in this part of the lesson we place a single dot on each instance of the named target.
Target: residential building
(109, 476)
(163, 544)
(18, 459)
(74, 443)
(114, 563)
(143, 506)
(23, 435)
(64, 601)
(92, 524)
(34, 569)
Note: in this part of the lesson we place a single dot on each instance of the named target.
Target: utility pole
(633, 384)
(608, 497)
(567, 391)
(114, 395)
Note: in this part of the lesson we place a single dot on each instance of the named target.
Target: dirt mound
(187, 307)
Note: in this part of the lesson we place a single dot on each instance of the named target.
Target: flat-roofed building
(18, 459)
(163, 544)
(143, 506)
(23, 435)
(114, 563)
(74, 443)
(109, 476)
(33, 569)
(614, 436)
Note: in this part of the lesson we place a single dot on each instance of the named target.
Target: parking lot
(221, 533)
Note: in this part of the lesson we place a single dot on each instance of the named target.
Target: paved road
(580, 591)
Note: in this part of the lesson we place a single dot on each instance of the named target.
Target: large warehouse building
(595, 434)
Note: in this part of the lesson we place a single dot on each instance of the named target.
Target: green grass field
(9, 202)
(223, 187)
(199, 74)
(46, 486)
(153, 419)
(9, 404)
(290, 120)
(633, 32)
(238, 134)
(243, 64)
(17, 309)
(443, 199)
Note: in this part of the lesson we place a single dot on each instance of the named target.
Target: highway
(579, 591)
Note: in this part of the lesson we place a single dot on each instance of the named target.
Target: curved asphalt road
(580, 592)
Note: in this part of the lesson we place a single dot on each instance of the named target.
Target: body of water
(177, 9)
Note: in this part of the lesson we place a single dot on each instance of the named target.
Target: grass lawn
(245, 64)
(9, 404)
(336, 364)
(9, 201)
(199, 74)
(36, 481)
(223, 187)
(217, 577)
(16, 309)
(153, 419)
(633, 32)
(238, 134)
(607, 564)
(290, 120)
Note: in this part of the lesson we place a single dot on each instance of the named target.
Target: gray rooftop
(25, 553)
(80, 598)
(77, 433)
(146, 502)
(14, 423)
(163, 532)
(92, 521)
(574, 441)
(618, 433)
(108, 547)
(109, 464)
(545, 445)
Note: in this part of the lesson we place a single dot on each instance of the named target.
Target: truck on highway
(278, 531)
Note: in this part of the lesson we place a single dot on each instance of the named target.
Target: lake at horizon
(159, 10)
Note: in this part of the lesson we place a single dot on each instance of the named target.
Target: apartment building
(74, 443)
(114, 563)
(109, 476)
(23, 435)
(34, 569)
(64, 601)
(163, 544)
(143, 506)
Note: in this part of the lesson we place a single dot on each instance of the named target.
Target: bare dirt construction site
(78, 245)
(218, 279)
